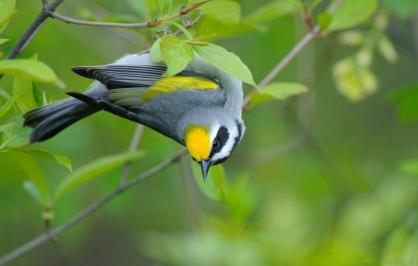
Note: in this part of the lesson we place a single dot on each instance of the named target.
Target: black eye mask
(219, 141)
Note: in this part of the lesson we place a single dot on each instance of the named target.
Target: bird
(200, 107)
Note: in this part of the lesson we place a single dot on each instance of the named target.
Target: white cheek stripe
(227, 148)
(213, 132)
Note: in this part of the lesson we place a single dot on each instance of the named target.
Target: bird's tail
(51, 119)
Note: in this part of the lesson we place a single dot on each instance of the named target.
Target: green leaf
(5, 107)
(7, 9)
(354, 78)
(258, 98)
(22, 94)
(31, 188)
(24, 89)
(20, 134)
(225, 60)
(352, 13)
(38, 95)
(352, 38)
(60, 159)
(324, 20)
(92, 170)
(273, 10)
(35, 175)
(29, 69)
(211, 29)
(226, 11)
(7, 128)
(276, 90)
(6, 134)
(4, 94)
(3, 41)
(387, 49)
(283, 90)
(406, 100)
(175, 53)
(214, 187)
(155, 52)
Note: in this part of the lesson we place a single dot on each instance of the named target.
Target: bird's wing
(133, 84)
(130, 76)
(122, 76)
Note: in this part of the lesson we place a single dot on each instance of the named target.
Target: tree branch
(48, 10)
(33, 28)
(150, 24)
(69, 20)
(132, 147)
(285, 61)
(42, 239)
(190, 25)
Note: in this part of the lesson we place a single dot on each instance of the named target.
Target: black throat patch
(219, 141)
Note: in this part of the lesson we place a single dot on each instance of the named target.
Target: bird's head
(212, 143)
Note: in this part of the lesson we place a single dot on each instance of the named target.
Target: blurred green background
(324, 178)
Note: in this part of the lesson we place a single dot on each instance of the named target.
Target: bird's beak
(205, 168)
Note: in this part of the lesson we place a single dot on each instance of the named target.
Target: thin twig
(33, 28)
(150, 24)
(69, 20)
(307, 18)
(42, 239)
(132, 147)
(312, 35)
(286, 60)
(45, 4)
(188, 26)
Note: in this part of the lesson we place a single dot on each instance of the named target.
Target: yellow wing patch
(171, 84)
(198, 142)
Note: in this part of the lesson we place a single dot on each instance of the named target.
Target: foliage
(353, 75)
(92, 170)
(277, 90)
(352, 13)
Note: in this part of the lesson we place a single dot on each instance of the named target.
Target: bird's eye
(215, 144)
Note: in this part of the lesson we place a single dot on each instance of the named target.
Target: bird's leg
(107, 106)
